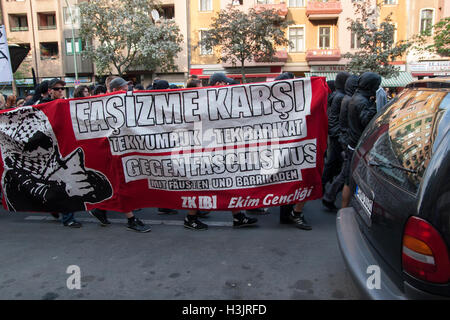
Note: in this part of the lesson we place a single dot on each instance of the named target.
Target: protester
(57, 91)
(99, 89)
(91, 89)
(191, 221)
(292, 214)
(29, 96)
(81, 91)
(332, 87)
(285, 76)
(49, 91)
(138, 87)
(20, 102)
(10, 102)
(119, 84)
(333, 161)
(220, 79)
(41, 92)
(330, 194)
(194, 83)
(361, 109)
(108, 81)
(159, 84)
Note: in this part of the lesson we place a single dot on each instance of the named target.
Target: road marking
(123, 221)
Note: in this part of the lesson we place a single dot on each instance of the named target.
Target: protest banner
(214, 148)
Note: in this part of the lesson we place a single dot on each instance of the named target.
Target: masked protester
(361, 109)
(333, 162)
(330, 194)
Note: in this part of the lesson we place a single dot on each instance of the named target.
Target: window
(402, 145)
(70, 46)
(75, 13)
(203, 50)
(355, 41)
(46, 21)
(49, 50)
(168, 11)
(426, 19)
(390, 1)
(324, 37)
(296, 37)
(296, 3)
(238, 2)
(205, 5)
(18, 22)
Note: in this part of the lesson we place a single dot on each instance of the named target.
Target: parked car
(399, 219)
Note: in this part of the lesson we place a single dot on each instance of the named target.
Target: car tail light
(425, 255)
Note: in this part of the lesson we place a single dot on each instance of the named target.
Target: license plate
(364, 200)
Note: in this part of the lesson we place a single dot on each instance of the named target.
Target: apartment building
(204, 63)
(424, 13)
(178, 11)
(45, 26)
(319, 38)
(319, 35)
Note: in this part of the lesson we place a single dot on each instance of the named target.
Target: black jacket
(335, 107)
(350, 87)
(362, 107)
(330, 84)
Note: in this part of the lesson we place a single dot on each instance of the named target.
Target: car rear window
(403, 150)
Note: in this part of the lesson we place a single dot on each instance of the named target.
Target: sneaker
(101, 216)
(138, 225)
(241, 220)
(73, 224)
(202, 214)
(167, 211)
(259, 211)
(194, 224)
(299, 220)
(329, 205)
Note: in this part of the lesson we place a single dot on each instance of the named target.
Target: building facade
(319, 36)
(45, 26)
(423, 14)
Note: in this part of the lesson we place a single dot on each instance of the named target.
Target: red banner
(213, 148)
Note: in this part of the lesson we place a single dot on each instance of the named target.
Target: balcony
(323, 54)
(319, 10)
(280, 8)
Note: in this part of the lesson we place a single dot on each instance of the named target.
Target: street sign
(77, 82)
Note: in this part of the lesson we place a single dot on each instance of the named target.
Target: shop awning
(401, 80)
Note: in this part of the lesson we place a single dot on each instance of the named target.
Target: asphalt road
(269, 261)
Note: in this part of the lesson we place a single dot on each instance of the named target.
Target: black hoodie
(361, 107)
(330, 84)
(350, 87)
(335, 107)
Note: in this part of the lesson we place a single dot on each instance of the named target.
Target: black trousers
(333, 161)
(285, 211)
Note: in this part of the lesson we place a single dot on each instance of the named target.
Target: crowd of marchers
(353, 102)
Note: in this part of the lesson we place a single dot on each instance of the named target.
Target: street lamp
(73, 43)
